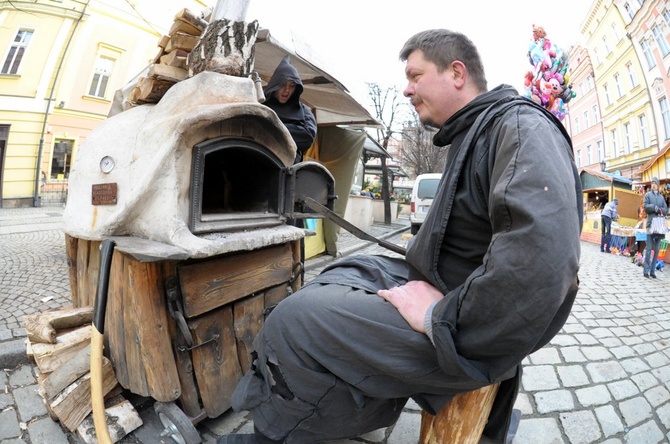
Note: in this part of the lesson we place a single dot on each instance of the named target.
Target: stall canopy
(322, 92)
(593, 180)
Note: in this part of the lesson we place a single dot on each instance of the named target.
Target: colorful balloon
(548, 82)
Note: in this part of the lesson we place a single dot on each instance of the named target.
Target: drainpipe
(36, 196)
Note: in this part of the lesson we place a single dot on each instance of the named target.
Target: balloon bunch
(548, 83)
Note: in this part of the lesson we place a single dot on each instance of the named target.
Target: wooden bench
(461, 421)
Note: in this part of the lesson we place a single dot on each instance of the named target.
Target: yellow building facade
(62, 61)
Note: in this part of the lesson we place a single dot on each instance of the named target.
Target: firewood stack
(169, 65)
(59, 344)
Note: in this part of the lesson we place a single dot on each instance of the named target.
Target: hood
(284, 72)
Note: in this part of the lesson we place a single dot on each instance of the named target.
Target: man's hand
(412, 300)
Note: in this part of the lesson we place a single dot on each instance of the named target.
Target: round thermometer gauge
(106, 164)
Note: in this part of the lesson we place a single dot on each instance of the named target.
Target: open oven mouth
(236, 184)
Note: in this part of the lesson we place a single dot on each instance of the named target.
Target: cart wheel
(177, 425)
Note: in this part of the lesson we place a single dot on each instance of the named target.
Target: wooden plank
(88, 265)
(68, 343)
(71, 244)
(163, 41)
(152, 90)
(115, 341)
(42, 327)
(210, 284)
(73, 404)
(181, 40)
(188, 16)
(176, 58)
(137, 380)
(66, 374)
(184, 27)
(166, 72)
(248, 320)
(461, 421)
(216, 365)
(150, 312)
(297, 265)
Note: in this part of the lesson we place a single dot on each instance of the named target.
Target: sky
(357, 41)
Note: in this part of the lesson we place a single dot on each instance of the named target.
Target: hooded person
(283, 97)
(655, 207)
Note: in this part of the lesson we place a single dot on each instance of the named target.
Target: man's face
(431, 92)
(285, 92)
(654, 186)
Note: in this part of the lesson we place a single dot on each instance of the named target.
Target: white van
(423, 193)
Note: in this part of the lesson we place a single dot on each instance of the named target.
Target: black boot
(256, 438)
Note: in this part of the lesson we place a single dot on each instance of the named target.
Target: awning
(322, 92)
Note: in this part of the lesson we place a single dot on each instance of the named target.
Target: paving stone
(605, 371)
(9, 424)
(591, 396)
(47, 431)
(623, 389)
(596, 353)
(580, 426)
(406, 430)
(572, 376)
(635, 410)
(22, 376)
(645, 433)
(554, 401)
(609, 420)
(30, 404)
(541, 377)
(645, 381)
(545, 356)
(573, 354)
(657, 396)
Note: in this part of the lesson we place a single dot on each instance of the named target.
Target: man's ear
(459, 73)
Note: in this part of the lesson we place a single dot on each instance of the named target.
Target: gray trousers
(334, 362)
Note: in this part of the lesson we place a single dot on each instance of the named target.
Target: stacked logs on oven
(59, 345)
(193, 45)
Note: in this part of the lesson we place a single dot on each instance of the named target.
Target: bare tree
(387, 107)
(419, 154)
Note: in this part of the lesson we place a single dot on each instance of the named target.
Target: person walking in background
(656, 208)
(608, 214)
(283, 96)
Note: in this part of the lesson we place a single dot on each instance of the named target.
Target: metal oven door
(307, 179)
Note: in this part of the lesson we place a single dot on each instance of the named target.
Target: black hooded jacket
(296, 116)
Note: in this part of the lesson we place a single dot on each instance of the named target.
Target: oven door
(307, 179)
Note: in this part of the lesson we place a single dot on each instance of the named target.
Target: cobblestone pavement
(605, 378)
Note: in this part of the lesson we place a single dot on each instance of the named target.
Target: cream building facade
(62, 62)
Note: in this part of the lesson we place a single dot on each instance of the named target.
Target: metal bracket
(183, 348)
(175, 309)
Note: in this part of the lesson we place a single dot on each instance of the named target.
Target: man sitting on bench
(490, 277)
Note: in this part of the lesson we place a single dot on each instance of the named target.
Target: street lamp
(603, 164)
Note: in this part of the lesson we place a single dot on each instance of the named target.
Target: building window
(579, 158)
(646, 50)
(576, 125)
(666, 16)
(608, 102)
(61, 159)
(661, 41)
(644, 131)
(629, 10)
(589, 81)
(102, 71)
(617, 83)
(607, 48)
(626, 136)
(586, 119)
(581, 89)
(615, 33)
(595, 114)
(599, 147)
(17, 51)
(589, 161)
(596, 56)
(665, 113)
(613, 138)
(631, 75)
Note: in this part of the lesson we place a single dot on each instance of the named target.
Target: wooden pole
(461, 421)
